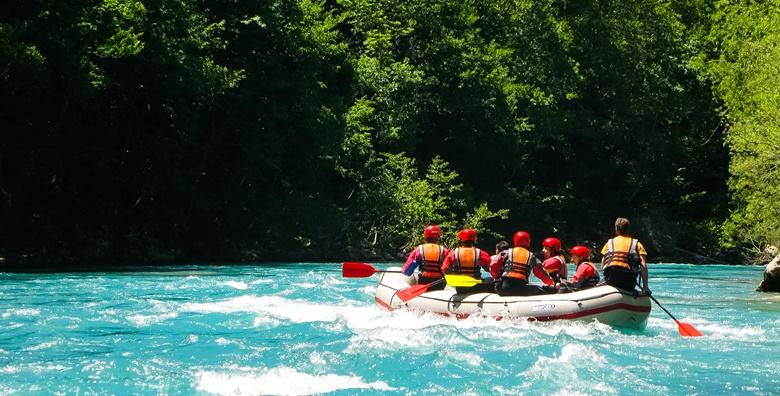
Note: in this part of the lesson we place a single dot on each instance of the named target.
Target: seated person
(586, 276)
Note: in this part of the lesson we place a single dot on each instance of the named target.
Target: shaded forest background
(181, 130)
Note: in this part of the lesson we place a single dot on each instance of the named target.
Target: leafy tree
(744, 67)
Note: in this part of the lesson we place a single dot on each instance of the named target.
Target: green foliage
(315, 129)
(744, 68)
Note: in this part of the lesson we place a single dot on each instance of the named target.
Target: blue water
(303, 329)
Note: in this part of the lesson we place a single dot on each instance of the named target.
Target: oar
(414, 291)
(452, 280)
(351, 269)
(685, 329)
(461, 280)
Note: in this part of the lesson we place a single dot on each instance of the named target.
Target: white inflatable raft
(605, 303)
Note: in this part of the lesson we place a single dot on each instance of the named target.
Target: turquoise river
(299, 329)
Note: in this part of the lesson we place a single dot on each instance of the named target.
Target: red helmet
(522, 238)
(432, 231)
(467, 234)
(580, 250)
(553, 243)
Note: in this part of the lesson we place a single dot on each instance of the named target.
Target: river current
(299, 329)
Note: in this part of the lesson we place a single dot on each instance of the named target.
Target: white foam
(33, 367)
(21, 312)
(263, 281)
(146, 320)
(240, 285)
(713, 330)
(562, 369)
(720, 331)
(44, 345)
(561, 373)
(298, 311)
(279, 381)
(7, 390)
(265, 321)
(470, 359)
(316, 359)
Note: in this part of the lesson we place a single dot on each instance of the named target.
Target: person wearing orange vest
(467, 259)
(554, 261)
(513, 267)
(624, 259)
(586, 275)
(428, 257)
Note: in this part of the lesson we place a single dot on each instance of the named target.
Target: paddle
(452, 280)
(461, 280)
(351, 269)
(685, 329)
(414, 291)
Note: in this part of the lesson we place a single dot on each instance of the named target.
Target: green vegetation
(745, 67)
(152, 131)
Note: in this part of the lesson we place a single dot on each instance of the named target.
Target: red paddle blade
(412, 292)
(357, 270)
(686, 330)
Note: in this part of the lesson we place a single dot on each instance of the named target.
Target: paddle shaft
(414, 291)
(662, 307)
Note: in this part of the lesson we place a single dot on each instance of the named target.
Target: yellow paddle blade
(461, 280)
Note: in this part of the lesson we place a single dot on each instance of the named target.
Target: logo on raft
(543, 307)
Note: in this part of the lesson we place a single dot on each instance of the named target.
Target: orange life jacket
(518, 260)
(622, 254)
(466, 262)
(432, 255)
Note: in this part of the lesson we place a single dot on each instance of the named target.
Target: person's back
(515, 266)
(429, 258)
(468, 260)
(624, 259)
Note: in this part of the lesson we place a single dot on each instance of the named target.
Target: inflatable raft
(606, 304)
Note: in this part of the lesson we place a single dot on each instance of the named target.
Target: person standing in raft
(467, 260)
(513, 268)
(428, 257)
(554, 261)
(624, 259)
(586, 276)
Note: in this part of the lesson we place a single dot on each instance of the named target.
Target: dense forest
(219, 131)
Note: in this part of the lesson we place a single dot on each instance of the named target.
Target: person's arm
(484, 260)
(645, 286)
(445, 253)
(447, 261)
(643, 258)
(411, 263)
(496, 265)
(553, 268)
(604, 254)
(541, 273)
